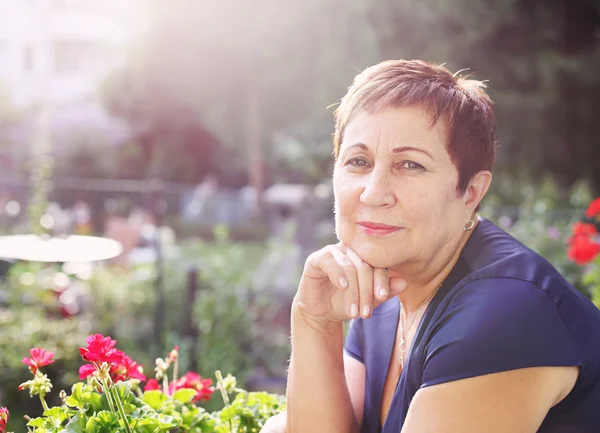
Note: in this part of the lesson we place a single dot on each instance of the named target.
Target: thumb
(397, 285)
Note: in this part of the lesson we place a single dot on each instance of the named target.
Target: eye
(357, 162)
(411, 165)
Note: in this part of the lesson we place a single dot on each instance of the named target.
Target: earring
(470, 225)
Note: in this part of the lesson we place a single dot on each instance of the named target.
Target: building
(58, 51)
(55, 54)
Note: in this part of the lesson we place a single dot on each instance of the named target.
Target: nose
(377, 190)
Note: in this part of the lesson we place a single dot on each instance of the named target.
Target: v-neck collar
(390, 328)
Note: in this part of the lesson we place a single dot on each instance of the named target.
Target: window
(3, 57)
(67, 56)
(79, 56)
(28, 59)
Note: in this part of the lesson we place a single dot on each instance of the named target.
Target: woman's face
(395, 189)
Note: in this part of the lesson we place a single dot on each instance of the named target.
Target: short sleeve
(354, 343)
(494, 325)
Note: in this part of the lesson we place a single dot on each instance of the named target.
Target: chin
(377, 256)
(379, 261)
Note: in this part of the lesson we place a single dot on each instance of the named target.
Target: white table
(73, 248)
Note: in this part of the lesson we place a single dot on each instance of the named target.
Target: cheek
(427, 208)
(346, 196)
(420, 205)
(346, 203)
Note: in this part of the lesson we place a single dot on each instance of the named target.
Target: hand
(275, 424)
(337, 285)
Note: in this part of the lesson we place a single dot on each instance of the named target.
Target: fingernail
(383, 293)
(353, 310)
(366, 310)
(343, 282)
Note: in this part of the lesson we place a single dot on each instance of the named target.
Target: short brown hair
(460, 101)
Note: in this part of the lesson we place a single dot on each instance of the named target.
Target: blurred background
(189, 142)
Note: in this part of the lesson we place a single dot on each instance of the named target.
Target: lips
(377, 229)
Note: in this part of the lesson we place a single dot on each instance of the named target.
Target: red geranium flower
(584, 229)
(151, 385)
(39, 358)
(593, 209)
(203, 387)
(127, 368)
(3, 419)
(101, 349)
(86, 370)
(582, 249)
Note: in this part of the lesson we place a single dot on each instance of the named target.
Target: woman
(457, 327)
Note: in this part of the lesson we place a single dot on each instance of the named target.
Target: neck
(423, 280)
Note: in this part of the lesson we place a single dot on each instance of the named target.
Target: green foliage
(591, 279)
(31, 321)
(225, 316)
(285, 82)
(233, 329)
(86, 410)
(230, 313)
(249, 411)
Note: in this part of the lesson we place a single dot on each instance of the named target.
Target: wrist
(319, 327)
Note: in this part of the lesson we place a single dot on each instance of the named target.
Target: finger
(344, 263)
(351, 300)
(321, 264)
(381, 284)
(397, 285)
(329, 264)
(365, 283)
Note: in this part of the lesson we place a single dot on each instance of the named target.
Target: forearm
(317, 395)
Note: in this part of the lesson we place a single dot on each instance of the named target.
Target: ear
(476, 190)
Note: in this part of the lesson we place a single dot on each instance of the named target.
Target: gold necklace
(402, 340)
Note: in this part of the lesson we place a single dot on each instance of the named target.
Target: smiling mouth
(377, 229)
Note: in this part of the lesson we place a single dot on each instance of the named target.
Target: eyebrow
(399, 149)
(407, 148)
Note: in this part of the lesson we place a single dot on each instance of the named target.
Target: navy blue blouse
(502, 307)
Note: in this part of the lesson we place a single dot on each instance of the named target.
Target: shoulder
(512, 308)
(496, 324)
(505, 274)
(492, 253)
(495, 260)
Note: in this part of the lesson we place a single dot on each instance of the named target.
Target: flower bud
(95, 382)
(229, 383)
(160, 364)
(40, 384)
(174, 354)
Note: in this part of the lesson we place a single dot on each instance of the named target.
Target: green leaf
(102, 422)
(155, 399)
(36, 422)
(167, 422)
(196, 417)
(124, 390)
(56, 415)
(184, 395)
(76, 425)
(84, 397)
(147, 425)
(75, 399)
(107, 418)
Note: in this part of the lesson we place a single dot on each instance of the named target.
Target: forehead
(396, 126)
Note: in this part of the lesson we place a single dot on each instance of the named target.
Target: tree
(263, 78)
